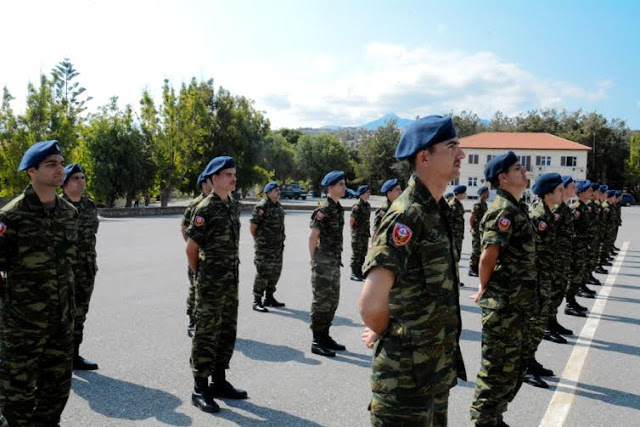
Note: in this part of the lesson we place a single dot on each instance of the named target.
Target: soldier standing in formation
(477, 213)
(204, 185)
(548, 187)
(267, 229)
(86, 267)
(456, 215)
(507, 291)
(212, 252)
(360, 223)
(391, 190)
(38, 239)
(325, 252)
(410, 299)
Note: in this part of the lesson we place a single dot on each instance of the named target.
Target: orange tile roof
(520, 141)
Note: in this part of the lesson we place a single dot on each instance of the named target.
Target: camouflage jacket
(329, 218)
(215, 227)
(513, 283)
(88, 224)
(457, 217)
(544, 227)
(188, 212)
(416, 244)
(594, 211)
(380, 213)
(581, 213)
(479, 209)
(269, 217)
(38, 250)
(361, 212)
(562, 217)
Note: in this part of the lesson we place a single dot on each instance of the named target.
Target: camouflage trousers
(35, 369)
(268, 270)
(402, 410)
(476, 243)
(191, 296)
(504, 363)
(325, 285)
(580, 268)
(85, 276)
(594, 253)
(359, 247)
(538, 323)
(559, 287)
(216, 325)
(458, 244)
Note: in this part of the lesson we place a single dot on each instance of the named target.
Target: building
(540, 153)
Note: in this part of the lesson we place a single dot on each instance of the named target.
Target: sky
(315, 63)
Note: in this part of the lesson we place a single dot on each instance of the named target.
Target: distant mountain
(382, 121)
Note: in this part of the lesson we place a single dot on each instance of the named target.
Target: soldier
(38, 237)
(605, 230)
(391, 189)
(212, 252)
(204, 185)
(448, 197)
(325, 252)
(267, 229)
(594, 243)
(85, 269)
(457, 216)
(579, 248)
(507, 291)
(360, 231)
(410, 299)
(477, 213)
(548, 187)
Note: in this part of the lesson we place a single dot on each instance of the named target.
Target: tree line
(162, 146)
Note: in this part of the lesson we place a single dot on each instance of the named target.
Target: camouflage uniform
(562, 217)
(605, 232)
(594, 233)
(360, 233)
(326, 263)
(37, 255)
(417, 360)
(544, 227)
(507, 304)
(215, 227)
(580, 267)
(85, 268)
(186, 221)
(479, 209)
(269, 245)
(457, 224)
(380, 212)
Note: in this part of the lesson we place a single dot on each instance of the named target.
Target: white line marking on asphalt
(561, 401)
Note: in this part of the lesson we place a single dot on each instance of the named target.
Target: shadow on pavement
(623, 299)
(469, 335)
(603, 394)
(267, 352)
(304, 316)
(621, 319)
(615, 347)
(121, 399)
(262, 415)
(470, 308)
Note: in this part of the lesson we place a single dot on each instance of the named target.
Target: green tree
(279, 157)
(632, 171)
(377, 154)
(317, 155)
(467, 123)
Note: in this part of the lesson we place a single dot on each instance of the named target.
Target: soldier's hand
(476, 297)
(369, 337)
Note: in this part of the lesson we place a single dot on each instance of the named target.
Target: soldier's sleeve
(198, 226)
(355, 211)
(257, 215)
(7, 242)
(95, 221)
(186, 218)
(498, 227)
(319, 219)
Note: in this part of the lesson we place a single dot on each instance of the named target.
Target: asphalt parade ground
(136, 331)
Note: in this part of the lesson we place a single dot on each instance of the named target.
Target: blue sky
(314, 63)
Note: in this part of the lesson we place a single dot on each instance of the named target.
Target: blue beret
(423, 133)
(69, 170)
(618, 193)
(217, 164)
(604, 188)
(389, 185)
(546, 183)
(362, 189)
(595, 186)
(499, 164)
(583, 186)
(332, 178)
(270, 186)
(611, 193)
(201, 179)
(566, 180)
(481, 190)
(446, 196)
(38, 152)
(459, 189)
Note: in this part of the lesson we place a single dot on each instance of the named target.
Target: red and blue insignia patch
(401, 234)
(382, 213)
(504, 223)
(3, 228)
(198, 221)
(319, 216)
(260, 212)
(557, 217)
(577, 214)
(542, 226)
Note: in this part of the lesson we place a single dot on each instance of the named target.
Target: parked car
(293, 191)
(350, 194)
(627, 200)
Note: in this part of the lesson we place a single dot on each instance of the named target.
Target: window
(570, 161)
(473, 182)
(543, 161)
(473, 159)
(525, 161)
(456, 182)
(489, 157)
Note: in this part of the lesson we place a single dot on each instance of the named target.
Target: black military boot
(220, 387)
(270, 301)
(585, 292)
(356, 274)
(330, 343)
(534, 379)
(606, 263)
(600, 270)
(558, 328)
(539, 369)
(553, 336)
(258, 306)
(191, 328)
(318, 346)
(201, 397)
(574, 309)
(80, 363)
(473, 272)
